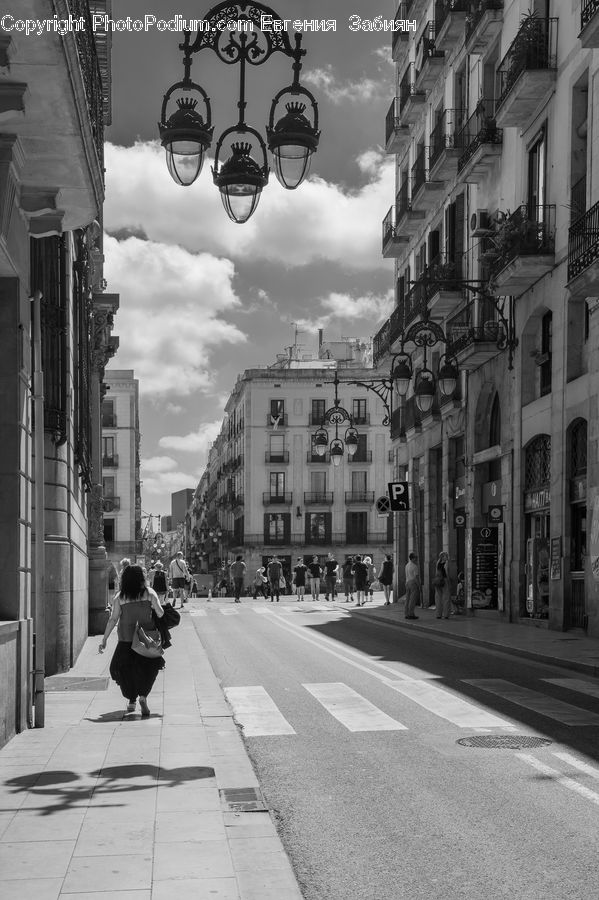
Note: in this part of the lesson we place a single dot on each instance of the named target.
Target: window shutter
(286, 527)
(266, 528)
(328, 519)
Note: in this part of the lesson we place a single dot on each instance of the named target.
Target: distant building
(266, 490)
(180, 503)
(120, 465)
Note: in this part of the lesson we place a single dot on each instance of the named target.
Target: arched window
(537, 472)
(578, 448)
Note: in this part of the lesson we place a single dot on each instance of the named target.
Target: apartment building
(266, 490)
(493, 234)
(121, 487)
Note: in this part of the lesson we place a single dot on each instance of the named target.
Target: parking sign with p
(398, 495)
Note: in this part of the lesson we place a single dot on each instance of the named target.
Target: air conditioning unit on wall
(480, 224)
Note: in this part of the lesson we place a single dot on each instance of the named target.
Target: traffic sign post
(383, 506)
(398, 495)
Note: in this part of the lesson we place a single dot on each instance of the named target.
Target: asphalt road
(352, 727)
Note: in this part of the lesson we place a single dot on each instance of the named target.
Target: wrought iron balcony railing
(529, 231)
(364, 457)
(318, 498)
(392, 119)
(110, 462)
(407, 87)
(444, 7)
(588, 11)
(477, 10)
(425, 48)
(578, 199)
(403, 200)
(285, 498)
(533, 48)
(583, 242)
(443, 135)
(479, 129)
(276, 421)
(280, 456)
(90, 72)
(108, 421)
(315, 458)
(419, 170)
(359, 496)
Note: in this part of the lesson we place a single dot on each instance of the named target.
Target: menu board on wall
(485, 566)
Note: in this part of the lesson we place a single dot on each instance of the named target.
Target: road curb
(573, 665)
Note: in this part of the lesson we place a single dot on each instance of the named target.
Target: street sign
(495, 514)
(398, 493)
(383, 506)
(459, 518)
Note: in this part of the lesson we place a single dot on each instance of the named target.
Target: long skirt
(134, 674)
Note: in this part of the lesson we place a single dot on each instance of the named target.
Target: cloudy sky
(203, 298)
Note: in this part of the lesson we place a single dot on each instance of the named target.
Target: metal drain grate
(243, 799)
(503, 741)
(76, 683)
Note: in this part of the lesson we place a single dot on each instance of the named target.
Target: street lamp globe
(185, 137)
(292, 142)
(351, 441)
(401, 375)
(240, 181)
(424, 390)
(448, 378)
(336, 451)
(320, 442)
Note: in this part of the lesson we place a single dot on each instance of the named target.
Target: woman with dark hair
(442, 587)
(133, 604)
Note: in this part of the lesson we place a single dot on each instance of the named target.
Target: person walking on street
(331, 567)
(179, 575)
(385, 577)
(274, 572)
(370, 577)
(299, 577)
(315, 575)
(237, 570)
(260, 580)
(348, 579)
(413, 586)
(133, 605)
(360, 572)
(157, 580)
(442, 587)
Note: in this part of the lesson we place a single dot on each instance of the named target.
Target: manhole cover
(76, 683)
(503, 741)
(243, 799)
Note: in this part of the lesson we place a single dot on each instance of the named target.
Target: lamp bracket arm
(383, 388)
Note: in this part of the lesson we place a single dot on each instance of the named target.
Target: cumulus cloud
(197, 442)
(368, 308)
(318, 221)
(161, 475)
(340, 90)
(169, 321)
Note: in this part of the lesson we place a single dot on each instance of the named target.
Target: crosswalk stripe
(577, 763)
(260, 610)
(198, 612)
(556, 776)
(446, 705)
(355, 712)
(229, 612)
(256, 712)
(562, 712)
(576, 684)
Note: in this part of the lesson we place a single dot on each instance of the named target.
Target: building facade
(121, 487)
(493, 131)
(265, 489)
(56, 322)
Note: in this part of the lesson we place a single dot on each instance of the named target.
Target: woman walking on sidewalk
(134, 603)
(441, 585)
(386, 577)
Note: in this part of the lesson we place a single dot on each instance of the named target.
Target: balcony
(397, 136)
(444, 150)
(527, 73)
(473, 345)
(111, 504)
(429, 59)
(315, 458)
(401, 39)
(524, 249)
(362, 458)
(359, 496)
(389, 332)
(363, 419)
(444, 290)
(282, 499)
(450, 19)
(411, 100)
(480, 142)
(589, 23)
(408, 220)
(318, 498)
(393, 244)
(108, 420)
(282, 456)
(414, 303)
(279, 421)
(110, 462)
(483, 25)
(426, 193)
(583, 255)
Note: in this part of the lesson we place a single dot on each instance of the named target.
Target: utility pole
(39, 613)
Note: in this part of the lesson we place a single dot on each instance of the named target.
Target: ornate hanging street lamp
(234, 32)
(336, 415)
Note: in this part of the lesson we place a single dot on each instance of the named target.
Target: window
(277, 484)
(109, 530)
(318, 528)
(277, 527)
(108, 487)
(546, 346)
(537, 472)
(359, 414)
(108, 447)
(277, 408)
(361, 454)
(318, 482)
(108, 416)
(536, 178)
(358, 482)
(356, 527)
(318, 411)
(276, 447)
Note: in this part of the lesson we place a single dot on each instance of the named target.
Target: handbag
(147, 643)
(282, 583)
(171, 616)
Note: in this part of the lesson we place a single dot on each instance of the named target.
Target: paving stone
(34, 859)
(108, 873)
